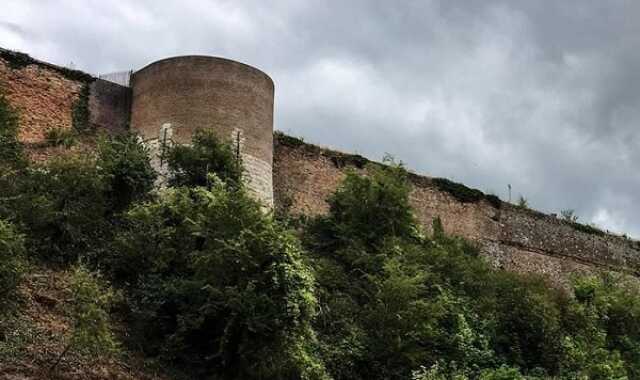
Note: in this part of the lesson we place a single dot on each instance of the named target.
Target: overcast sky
(542, 95)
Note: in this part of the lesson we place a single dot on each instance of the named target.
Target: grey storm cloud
(542, 95)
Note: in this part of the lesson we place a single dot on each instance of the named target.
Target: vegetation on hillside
(203, 280)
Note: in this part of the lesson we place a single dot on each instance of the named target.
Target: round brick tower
(174, 97)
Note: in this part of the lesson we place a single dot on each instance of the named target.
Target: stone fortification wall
(109, 106)
(46, 96)
(174, 97)
(510, 237)
(43, 96)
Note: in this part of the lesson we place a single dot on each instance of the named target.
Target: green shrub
(11, 154)
(191, 165)
(69, 206)
(528, 321)
(16, 60)
(287, 140)
(458, 190)
(587, 229)
(218, 286)
(61, 206)
(569, 215)
(465, 194)
(393, 301)
(12, 264)
(91, 332)
(502, 373)
(603, 327)
(368, 209)
(60, 137)
(386, 298)
(438, 372)
(123, 163)
(523, 202)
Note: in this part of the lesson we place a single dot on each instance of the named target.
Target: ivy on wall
(80, 111)
(10, 148)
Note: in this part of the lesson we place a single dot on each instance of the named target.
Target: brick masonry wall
(109, 106)
(196, 92)
(305, 175)
(511, 238)
(44, 96)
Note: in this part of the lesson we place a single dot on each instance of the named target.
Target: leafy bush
(11, 154)
(527, 314)
(523, 202)
(191, 165)
(123, 163)
(91, 333)
(218, 286)
(502, 373)
(588, 229)
(60, 137)
(387, 301)
(438, 372)
(603, 328)
(60, 206)
(465, 194)
(368, 209)
(63, 207)
(569, 215)
(12, 264)
(393, 300)
(68, 206)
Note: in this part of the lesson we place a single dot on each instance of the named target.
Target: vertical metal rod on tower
(238, 147)
(164, 145)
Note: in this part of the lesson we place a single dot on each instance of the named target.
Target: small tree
(10, 148)
(60, 137)
(218, 285)
(64, 207)
(371, 208)
(91, 300)
(569, 215)
(123, 162)
(190, 165)
(523, 202)
(12, 263)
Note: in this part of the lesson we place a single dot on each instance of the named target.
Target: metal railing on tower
(123, 78)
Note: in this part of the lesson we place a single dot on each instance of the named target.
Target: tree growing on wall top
(191, 165)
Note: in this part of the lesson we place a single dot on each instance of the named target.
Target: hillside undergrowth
(197, 279)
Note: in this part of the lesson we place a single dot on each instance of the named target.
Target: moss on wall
(463, 193)
(587, 229)
(339, 159)
(18, 61)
